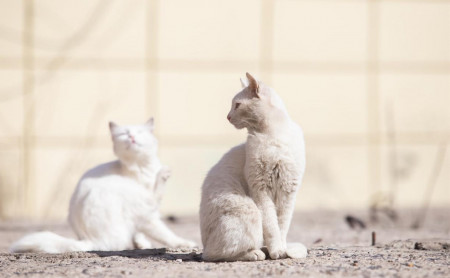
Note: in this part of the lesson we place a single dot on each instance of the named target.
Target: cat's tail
(48, 242)
(296, 250)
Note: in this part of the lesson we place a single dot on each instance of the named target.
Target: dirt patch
(335, 248)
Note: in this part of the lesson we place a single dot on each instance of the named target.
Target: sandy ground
(335, 249)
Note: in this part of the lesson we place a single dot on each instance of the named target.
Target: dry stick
(438, 163)
(374, 238)
(28, 102)
(392, 164)
(392, 154)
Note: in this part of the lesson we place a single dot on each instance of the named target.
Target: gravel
(335, 249)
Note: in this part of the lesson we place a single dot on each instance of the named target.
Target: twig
(438, 163)
(390, 125)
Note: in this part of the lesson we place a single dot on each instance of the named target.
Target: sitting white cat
(115, 205)
(248, 196)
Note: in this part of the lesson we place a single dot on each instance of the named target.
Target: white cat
(115, 205)
(248, 196)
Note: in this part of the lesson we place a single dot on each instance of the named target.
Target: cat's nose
(131, 137)
(228, 117)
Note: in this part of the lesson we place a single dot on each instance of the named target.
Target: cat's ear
(112, 126)
(150, 124)
(253, 85)
(244, 82)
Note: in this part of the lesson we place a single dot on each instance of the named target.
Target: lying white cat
(248, 196)
(116, 205)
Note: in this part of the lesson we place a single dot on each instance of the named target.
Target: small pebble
(179, 260)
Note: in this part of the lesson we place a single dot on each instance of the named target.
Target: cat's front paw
(277, 253)
(164, 174)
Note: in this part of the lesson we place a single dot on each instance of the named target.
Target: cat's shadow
(161, 253)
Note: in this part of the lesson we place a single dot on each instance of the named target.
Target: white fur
(115, 205)
(244, 82)
(248, 196)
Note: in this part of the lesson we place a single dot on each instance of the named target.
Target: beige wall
(369, 81)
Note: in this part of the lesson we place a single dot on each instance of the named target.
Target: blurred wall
(369, 81)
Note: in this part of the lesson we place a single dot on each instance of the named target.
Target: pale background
(369, 81)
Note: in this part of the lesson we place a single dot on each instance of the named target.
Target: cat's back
(103, 179)
(103, 170)
(226, 208)
(104, 191)
(230, 164)
(227, 174)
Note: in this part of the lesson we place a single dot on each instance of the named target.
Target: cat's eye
(237, 105)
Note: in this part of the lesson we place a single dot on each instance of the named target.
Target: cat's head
(255, 105)
(134, 142)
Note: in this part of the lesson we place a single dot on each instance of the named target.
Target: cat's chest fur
(274, 164)
(145, 176)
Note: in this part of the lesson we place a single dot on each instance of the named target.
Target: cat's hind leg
(232, 230)
(253, 255)
(157, 230)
